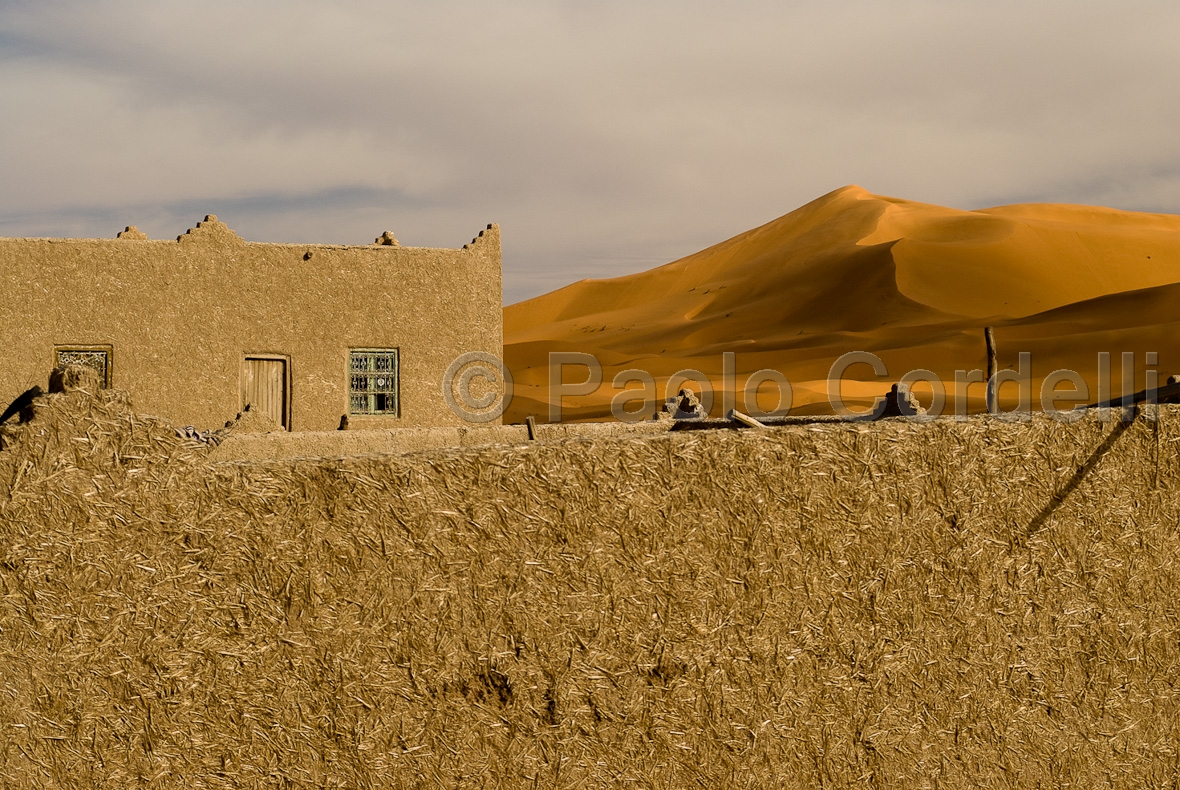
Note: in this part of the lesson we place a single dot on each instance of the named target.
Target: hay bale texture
(892, 604)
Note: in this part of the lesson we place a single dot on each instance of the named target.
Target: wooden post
(993, 405)
(531, 424)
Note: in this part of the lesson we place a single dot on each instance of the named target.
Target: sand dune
(911, 282)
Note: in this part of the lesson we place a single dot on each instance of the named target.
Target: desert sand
(913, 283)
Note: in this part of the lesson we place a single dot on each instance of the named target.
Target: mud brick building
(197, 328)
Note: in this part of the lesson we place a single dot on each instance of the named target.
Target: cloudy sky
(605, 137)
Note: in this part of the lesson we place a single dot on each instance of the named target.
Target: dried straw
(900, 604)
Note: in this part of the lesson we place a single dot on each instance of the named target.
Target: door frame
(267, 355)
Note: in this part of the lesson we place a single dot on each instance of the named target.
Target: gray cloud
(605, 137)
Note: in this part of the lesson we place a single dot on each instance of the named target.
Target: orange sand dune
(911, 282)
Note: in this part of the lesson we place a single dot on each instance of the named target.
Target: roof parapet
(211, 229)
(485, 236)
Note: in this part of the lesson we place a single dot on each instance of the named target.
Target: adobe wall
(182, 315)
(944, 604)
(280, 445)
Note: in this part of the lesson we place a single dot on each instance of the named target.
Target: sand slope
(912, 282)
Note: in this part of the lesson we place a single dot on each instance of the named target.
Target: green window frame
(374, 381)
(96, 357)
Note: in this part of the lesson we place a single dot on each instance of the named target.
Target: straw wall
(895, 604)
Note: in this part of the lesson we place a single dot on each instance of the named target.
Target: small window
(98, 358)
(373, 381)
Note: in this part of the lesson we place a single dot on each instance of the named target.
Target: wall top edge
(212, 231)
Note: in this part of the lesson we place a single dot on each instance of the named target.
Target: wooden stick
(745, 419)
(531, 423)
(989, 337)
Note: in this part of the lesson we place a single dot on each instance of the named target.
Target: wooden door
(264, 387)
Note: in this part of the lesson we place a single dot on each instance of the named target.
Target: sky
(604, 137)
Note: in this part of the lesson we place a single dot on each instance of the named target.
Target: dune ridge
(912, 282)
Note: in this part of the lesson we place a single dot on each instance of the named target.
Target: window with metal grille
(97, 358)
(373, 383)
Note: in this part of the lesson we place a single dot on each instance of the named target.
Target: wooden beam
(1169, 393)
(993, 397)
